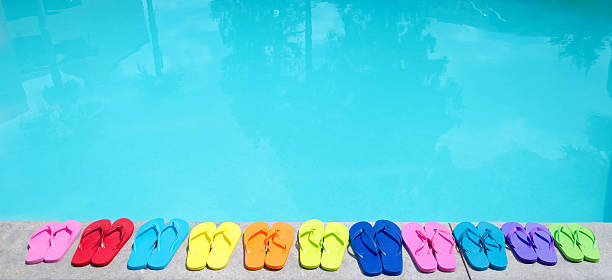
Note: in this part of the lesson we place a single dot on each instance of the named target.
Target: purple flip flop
(520, 242)
(543, 243)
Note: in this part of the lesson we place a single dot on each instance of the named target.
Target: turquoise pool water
(288, 110)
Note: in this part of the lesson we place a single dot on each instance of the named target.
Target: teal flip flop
(494, 241)
(470, 242)
(144, 243)
(170, 239)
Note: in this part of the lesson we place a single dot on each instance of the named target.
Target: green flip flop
(585, 240)
(566, 242)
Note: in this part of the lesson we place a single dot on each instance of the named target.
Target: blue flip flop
(388, 239)
(470, 242)
(170, 239)
(144, 243)
(494, 240)
(362, 242)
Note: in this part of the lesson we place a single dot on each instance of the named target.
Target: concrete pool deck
(14, 236)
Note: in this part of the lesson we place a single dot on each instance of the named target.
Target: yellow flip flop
(310, 237)
(225, 238)
(335, 240)
(200, 240)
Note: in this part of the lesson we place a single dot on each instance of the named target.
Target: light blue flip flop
(470, 242)
(494, 242)
(144, 243)
(170, 239)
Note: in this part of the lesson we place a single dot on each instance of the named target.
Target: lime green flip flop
(310, 237)
(335, 240)
(585, 239)
(565, 241)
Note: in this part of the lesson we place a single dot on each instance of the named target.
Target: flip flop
(519, 241)
(564, 240)
(310, 238)
(470, 242)
(144, 243)
(255, 237)
(113, 240)
(170, 239)
(388, 238)
(335, 240)
(443, 245)
(279, 242)
(585, 239)
(362, 242)
(225, 238)
(40, 242)
(415, 240)
(493, 241)
(200, 239)
(61, 240)
(90, 242)
(543, 243)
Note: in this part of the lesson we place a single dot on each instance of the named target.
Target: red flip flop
(90, 242)
(112, 242)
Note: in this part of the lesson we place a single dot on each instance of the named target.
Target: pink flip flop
(62, 238)
(443, 244)
(39, 243)
(415, 239)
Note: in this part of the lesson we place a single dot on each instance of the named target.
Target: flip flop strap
(393, 236)
(487, 236)
(368, 243)
(310, 234)
(465, 234)
(223, 232)
(92, 230)
(570, 235)
(46, 229)
(261, 231)
(115, 228)
(590, 236)
(271, 238)
(515, 230)
(172, 226)
(423, 236)
(336, 236)
(202, 233)
(438, 232)
(66, 228)
(151, 226)
(549, 238)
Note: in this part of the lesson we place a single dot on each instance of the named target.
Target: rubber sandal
(90, 242)
(40, 242)
(144, 243)
(335, 240)
(362, 242)
(543, 243)
(470, 242)
(388, 238)
(225, 239)
(415, 240)
(61, 240)
(113, 240)
(520, 242)
(200, 240)
(279, 241)
(310, 238)
(170, 239)
(442, 244)
(494, 242)
(585, 239)
(254, 240)
(564, 240)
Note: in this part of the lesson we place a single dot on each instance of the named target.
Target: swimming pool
(288, 110)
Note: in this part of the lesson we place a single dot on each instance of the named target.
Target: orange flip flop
(255, 239)
(280, 239)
